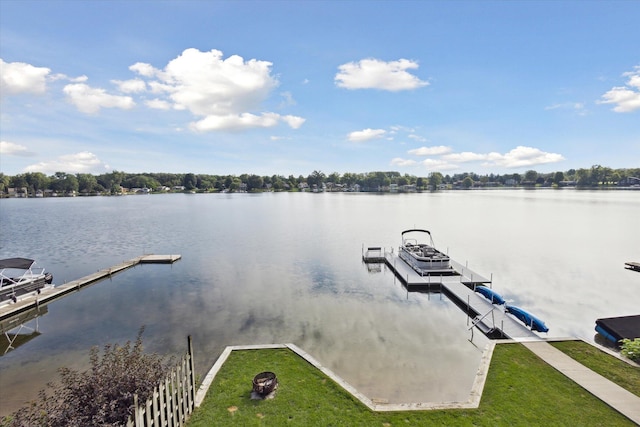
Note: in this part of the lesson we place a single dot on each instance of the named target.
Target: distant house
(19, 192)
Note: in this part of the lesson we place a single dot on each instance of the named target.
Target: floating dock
(52, 293)
(458, 285)
(615, 329)
(635, 266)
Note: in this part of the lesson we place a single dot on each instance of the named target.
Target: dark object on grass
(264, 383)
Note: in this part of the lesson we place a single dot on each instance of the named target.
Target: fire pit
(264, 383)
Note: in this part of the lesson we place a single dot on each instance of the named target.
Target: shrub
(100, 396)
(631, 349)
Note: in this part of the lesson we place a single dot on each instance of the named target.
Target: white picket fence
(172, 401)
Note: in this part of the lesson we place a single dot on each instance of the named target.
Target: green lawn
(520, 390)
(621, 373)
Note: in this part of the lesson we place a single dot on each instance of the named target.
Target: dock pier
(52, 293)
(634, 266)
(458, 285)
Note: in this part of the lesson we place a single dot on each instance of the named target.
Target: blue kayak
(490, 294)
(527, 318)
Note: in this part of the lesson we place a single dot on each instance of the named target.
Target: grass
(621, 373)
(521, 390)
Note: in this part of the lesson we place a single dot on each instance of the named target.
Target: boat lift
(11, 328)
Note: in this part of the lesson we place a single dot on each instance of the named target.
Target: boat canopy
(416, 229)
(18, 263)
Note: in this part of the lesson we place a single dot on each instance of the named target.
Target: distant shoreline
(138, 192)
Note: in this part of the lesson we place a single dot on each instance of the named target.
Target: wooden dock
(52, 293)
(458, 285)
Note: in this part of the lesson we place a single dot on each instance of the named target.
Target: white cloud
(60, 76)
(143, 69)
(130, 86)
(235, 122)
(158, 104)
(12, 149)
(225, 93)
(293, 121)
(80, 79)
(90, 100)
(18, 77)
(578, 107)
(375, 74)
(445, 160)
(634, 78)
(430, 151)
(83, 162)
(465, 156)
(161, 89)
(418, 138)
(287, 99)
(625, 98)
(522, 157)
(398, 161)
(366, 135)
(438, 165)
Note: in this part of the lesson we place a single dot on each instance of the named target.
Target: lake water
(286, 267)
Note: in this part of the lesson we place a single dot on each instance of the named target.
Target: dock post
(468, 315)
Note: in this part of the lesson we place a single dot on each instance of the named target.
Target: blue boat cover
(490, 294)
(527, 318)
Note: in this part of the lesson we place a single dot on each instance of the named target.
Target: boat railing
(26, 274)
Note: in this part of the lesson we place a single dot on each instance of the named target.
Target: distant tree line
(114, 182)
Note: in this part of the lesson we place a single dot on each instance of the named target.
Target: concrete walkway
(623, 401)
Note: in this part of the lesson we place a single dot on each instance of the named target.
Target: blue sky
(266, 87)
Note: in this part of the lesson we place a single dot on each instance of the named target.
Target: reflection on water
(20, 329)
(276, 268)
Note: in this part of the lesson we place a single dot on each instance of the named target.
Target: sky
(293, 87)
